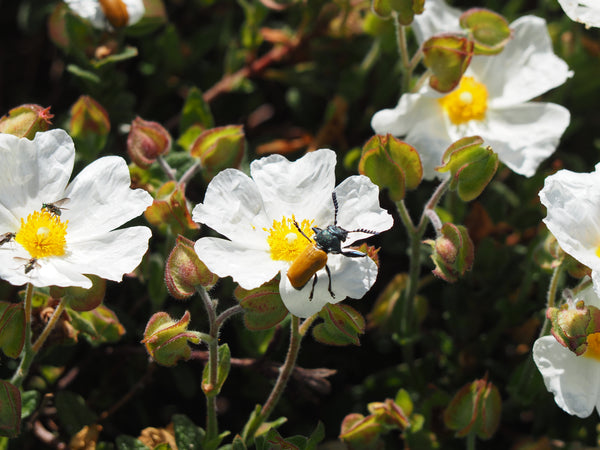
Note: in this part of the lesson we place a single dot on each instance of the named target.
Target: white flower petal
(525, 69)
(524, 135)
(109, 255)
(572, 201)
(233, 207)
(583, 11)
(302, 187)
(572, 379)
(437, 17)
(101, 199)
(91, 10)
(248, 267)
(358, 200)
(135, 9)
(35, 171)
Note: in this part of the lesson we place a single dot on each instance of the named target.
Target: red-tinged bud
(26, 120)
(573, 323)
(184, 271)
(475, 409)
(390, 414)
(447, 56)
(170, 210)
(147, 141)
(360, 432)
(89, 125)
(220, 148)
(453, 252)
(490, 30)
(166, 339)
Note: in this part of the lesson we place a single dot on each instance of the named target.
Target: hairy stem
(28, 353)
(212, 427)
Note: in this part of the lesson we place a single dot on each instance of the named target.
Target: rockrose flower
(106, 14)
(256, 214)
(53, 232)
(491, 101)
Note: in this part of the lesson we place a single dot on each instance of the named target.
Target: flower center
(43, 234)
(285, 240)
(467, 102)
(593, 346)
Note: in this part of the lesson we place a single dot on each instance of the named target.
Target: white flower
(584, 11)
(47, 248)
(95, 12)
(574, 380)
(572, 201)
(256, 215)
(491, 101)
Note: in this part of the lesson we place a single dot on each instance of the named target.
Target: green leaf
(341, 325)
(127, 53)
(129, 443)
(72, 411)
(29, 402)
(263, 307)
(83, 74)
(10, 409)
(12, 328)
(187, 434)
(195, 111)
(224, 358)
(316, 436)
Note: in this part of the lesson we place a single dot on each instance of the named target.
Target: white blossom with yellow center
(492, 100)
(92, 11)
(45, 248)
(573, 380)
(257, 216)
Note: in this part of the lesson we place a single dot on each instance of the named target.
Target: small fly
(56, 207)
(29, 264)
(6, 237)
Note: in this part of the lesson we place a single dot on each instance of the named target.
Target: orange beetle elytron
(314, 257)
(116, 12)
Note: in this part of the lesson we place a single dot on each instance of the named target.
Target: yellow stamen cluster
(285, 240)
(43, 234)
(593, 348)
(467, 102)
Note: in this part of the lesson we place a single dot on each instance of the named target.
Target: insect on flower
(56, 207)
(116, 12)
(314, 257)
(29, 264)
(6, 237)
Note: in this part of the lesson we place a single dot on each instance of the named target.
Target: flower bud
(390, 414)
(471, 166)
(573, 322)
(447, 56)
(453, 252)
(147, 141)
(406, 9)
(476, 408)
(184, 271)
(219, 148)
(360, 432)
(166, 340)
(26, 120)
(170, 211)
(89, 125)
(392, 164)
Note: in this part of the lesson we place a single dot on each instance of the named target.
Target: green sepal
(447, 56)
(392, 164)
(360, 432)
(572, 323)
(405, 9)
(12, 328)
(341, 325)
(81, 299)
(263, 307)
(10, 409)
(224, 365)
(170, 211)
(219, 148)
(471, 166)
(490, 31)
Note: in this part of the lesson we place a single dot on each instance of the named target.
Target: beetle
(116, 12)
(56, 207)
(314, 257)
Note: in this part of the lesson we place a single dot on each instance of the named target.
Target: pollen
(43, 234)
(467, 102)
(593, 346)
(285, 241)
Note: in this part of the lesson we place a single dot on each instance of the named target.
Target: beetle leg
(312, 289)
(329, 276)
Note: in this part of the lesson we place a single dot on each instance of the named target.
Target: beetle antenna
(335, 207)
(362, 230)
(300, 230)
